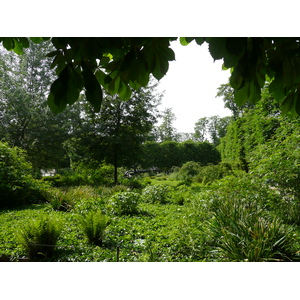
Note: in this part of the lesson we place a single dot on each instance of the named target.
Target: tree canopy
(119, 64)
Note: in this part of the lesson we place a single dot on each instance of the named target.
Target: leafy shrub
(180, 194)
(210, 173)
(155, 193)
(132, 183)
(189, 170)
(93, 224)
(124, 203)
(95, 175)
(39, 236)
(83, 175)
(17, 185)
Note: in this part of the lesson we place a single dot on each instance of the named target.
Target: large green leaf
(236, 46)
(241, 96)
(93, 90)
(297, 103)
(157, 58)
(58, 91)
(217, 47)
(276, 88)
(8, 43)
(185, 41)
(124, 91)
(236, 79)
(261, 74)
(56, 108)
(288, 103)
(254, 92)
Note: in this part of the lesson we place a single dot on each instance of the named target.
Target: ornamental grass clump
(39, 236)
(93, 225)
(246, 233)
(60, 200)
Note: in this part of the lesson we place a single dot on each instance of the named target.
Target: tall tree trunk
(115, 164)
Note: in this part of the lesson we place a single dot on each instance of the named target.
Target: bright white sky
(191, 86)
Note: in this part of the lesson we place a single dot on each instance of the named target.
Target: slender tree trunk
(115, 164)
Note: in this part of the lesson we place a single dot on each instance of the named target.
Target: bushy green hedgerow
(17, 185)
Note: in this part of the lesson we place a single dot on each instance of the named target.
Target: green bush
(124, 203)
(189, 170)
(155, 193)
(39, 236)
(93, 224)
(17, 185)
(83, 175)
(210, 173)
(94, 174)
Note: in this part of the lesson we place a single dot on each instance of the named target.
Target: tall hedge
(168, 154)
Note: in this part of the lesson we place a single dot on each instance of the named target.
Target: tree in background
(200, 129)
(116, 134)
(26, 121)
(166, 131)
(217, 128)
(226, 92)
(211, 128)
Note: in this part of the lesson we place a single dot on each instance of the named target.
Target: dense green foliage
(170, 154)
(119, 64)
(217, 222)
(39, 236)
(239, 204)
(17, 184)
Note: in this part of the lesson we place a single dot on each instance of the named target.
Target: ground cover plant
(221, 221)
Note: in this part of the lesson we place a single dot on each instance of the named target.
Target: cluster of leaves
(253, 61)
(118, 64)
(79, 63)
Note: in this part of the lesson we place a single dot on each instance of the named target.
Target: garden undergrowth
(185, 222)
